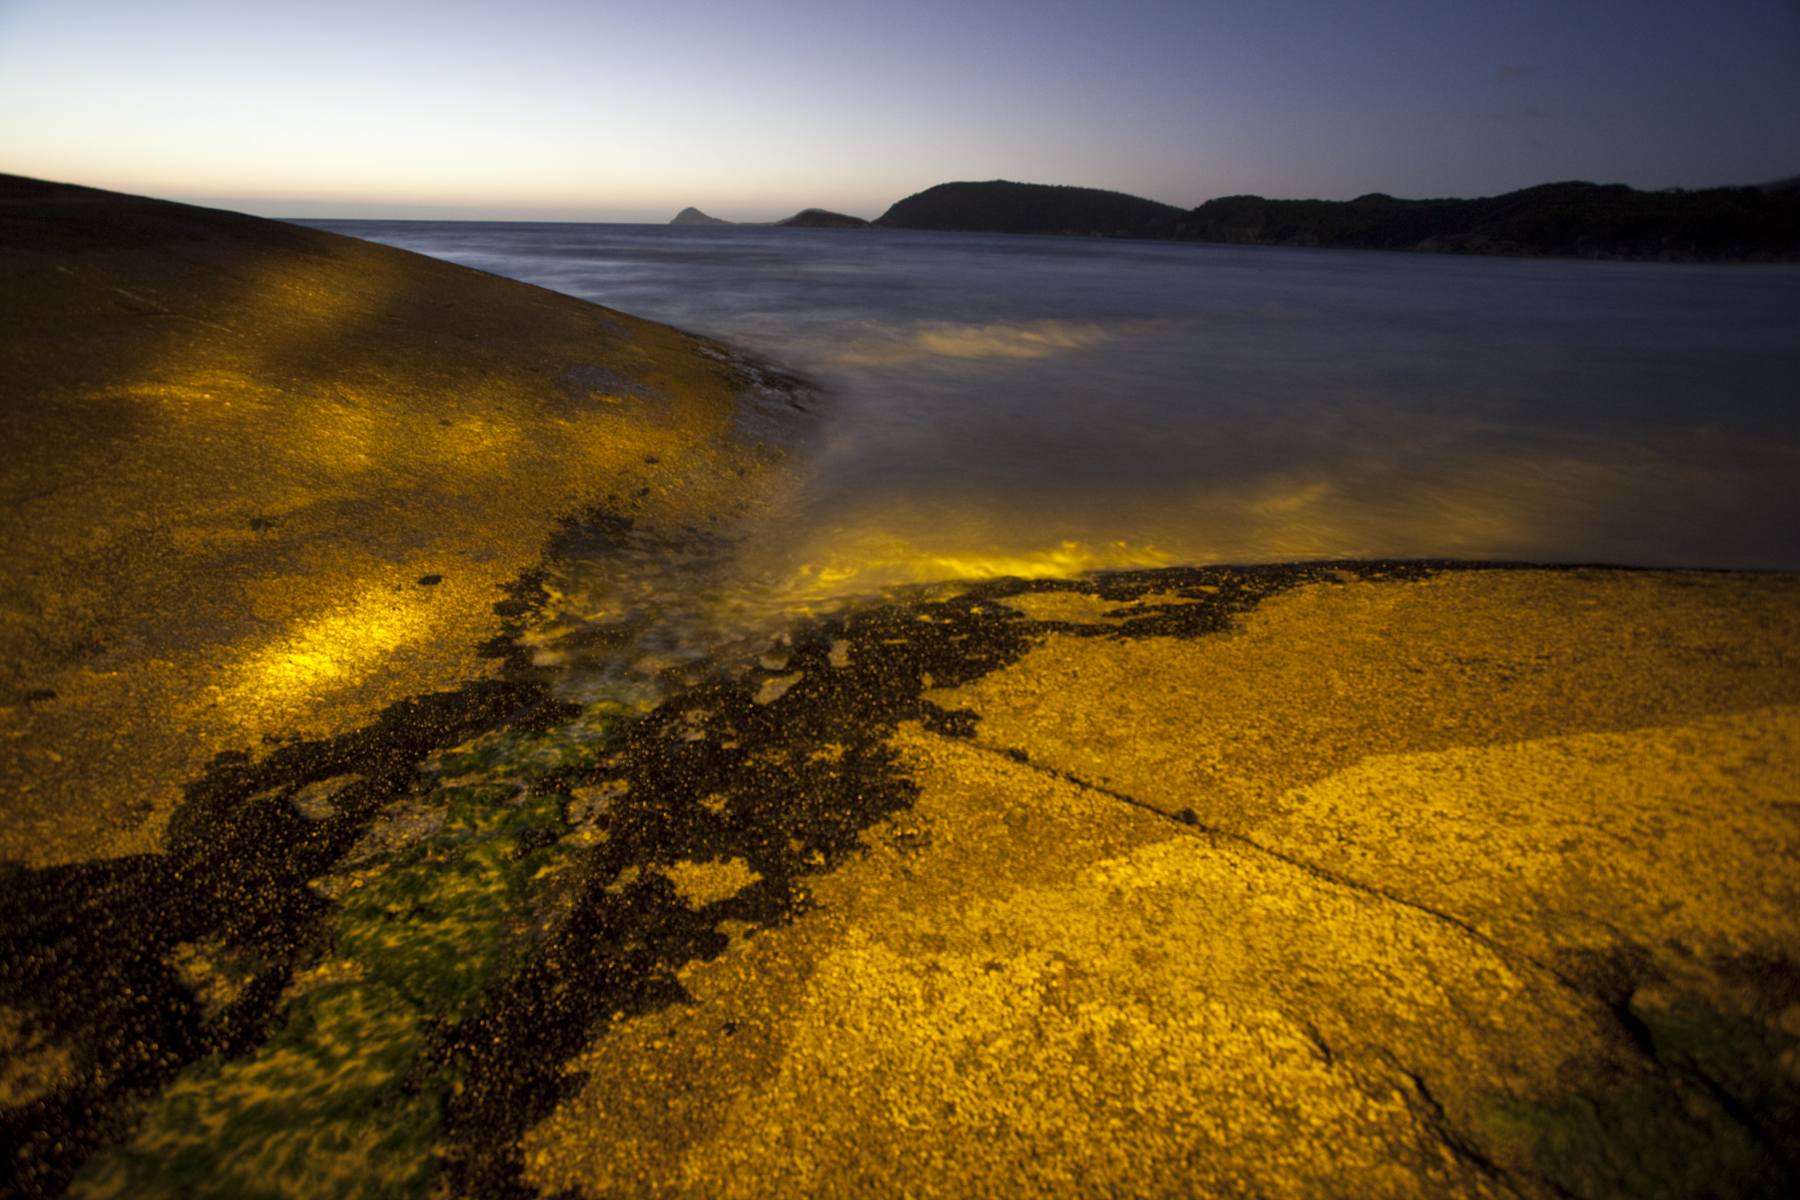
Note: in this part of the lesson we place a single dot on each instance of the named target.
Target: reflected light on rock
(337, 650)
(899, 562)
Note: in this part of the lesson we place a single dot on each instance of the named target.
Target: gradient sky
(563, 110)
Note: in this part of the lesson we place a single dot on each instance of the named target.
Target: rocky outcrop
(1417, 883)
(263, 479)
(279, 500)
(693, 216)
(1567, 220)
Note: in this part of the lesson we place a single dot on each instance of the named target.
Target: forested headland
(1573, 219)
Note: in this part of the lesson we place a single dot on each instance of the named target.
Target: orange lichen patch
(703, 883)
(1031, 987)
(657, 1083)
(1676, 841)
(1314, 680)
(335, 650)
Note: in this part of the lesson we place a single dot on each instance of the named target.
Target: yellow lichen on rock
(1040, 992)
(1313, 680)
(1666, 843)
(703, 883)
(1403, 935)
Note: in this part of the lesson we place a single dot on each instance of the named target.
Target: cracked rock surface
(1469, 884)
(1359, 879)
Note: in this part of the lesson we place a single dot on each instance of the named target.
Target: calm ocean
(1021, 405)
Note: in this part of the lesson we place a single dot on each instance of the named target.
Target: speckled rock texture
(263, 481)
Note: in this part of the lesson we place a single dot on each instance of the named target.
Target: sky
(602, 111)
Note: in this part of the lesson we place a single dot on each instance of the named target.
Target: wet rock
(314, 801)
(774, 689)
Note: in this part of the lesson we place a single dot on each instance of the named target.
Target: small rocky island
(806, 218)
(693, 216)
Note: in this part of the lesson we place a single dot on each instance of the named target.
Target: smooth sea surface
(1000, 404)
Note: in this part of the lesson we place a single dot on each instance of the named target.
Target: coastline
(1573, 219)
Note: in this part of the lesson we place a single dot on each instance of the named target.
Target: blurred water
(1033, 405)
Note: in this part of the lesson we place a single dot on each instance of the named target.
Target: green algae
(433, 925)
(325, 1108)
(578, 742)
(1718, 1118)
(347, 1097)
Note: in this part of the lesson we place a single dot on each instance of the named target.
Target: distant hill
(1564, 220)
(1577, 220)
(819, 218)
(1572, 219)
(1000, 206)
(693, 216)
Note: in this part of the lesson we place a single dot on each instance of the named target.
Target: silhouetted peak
(693, 216)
